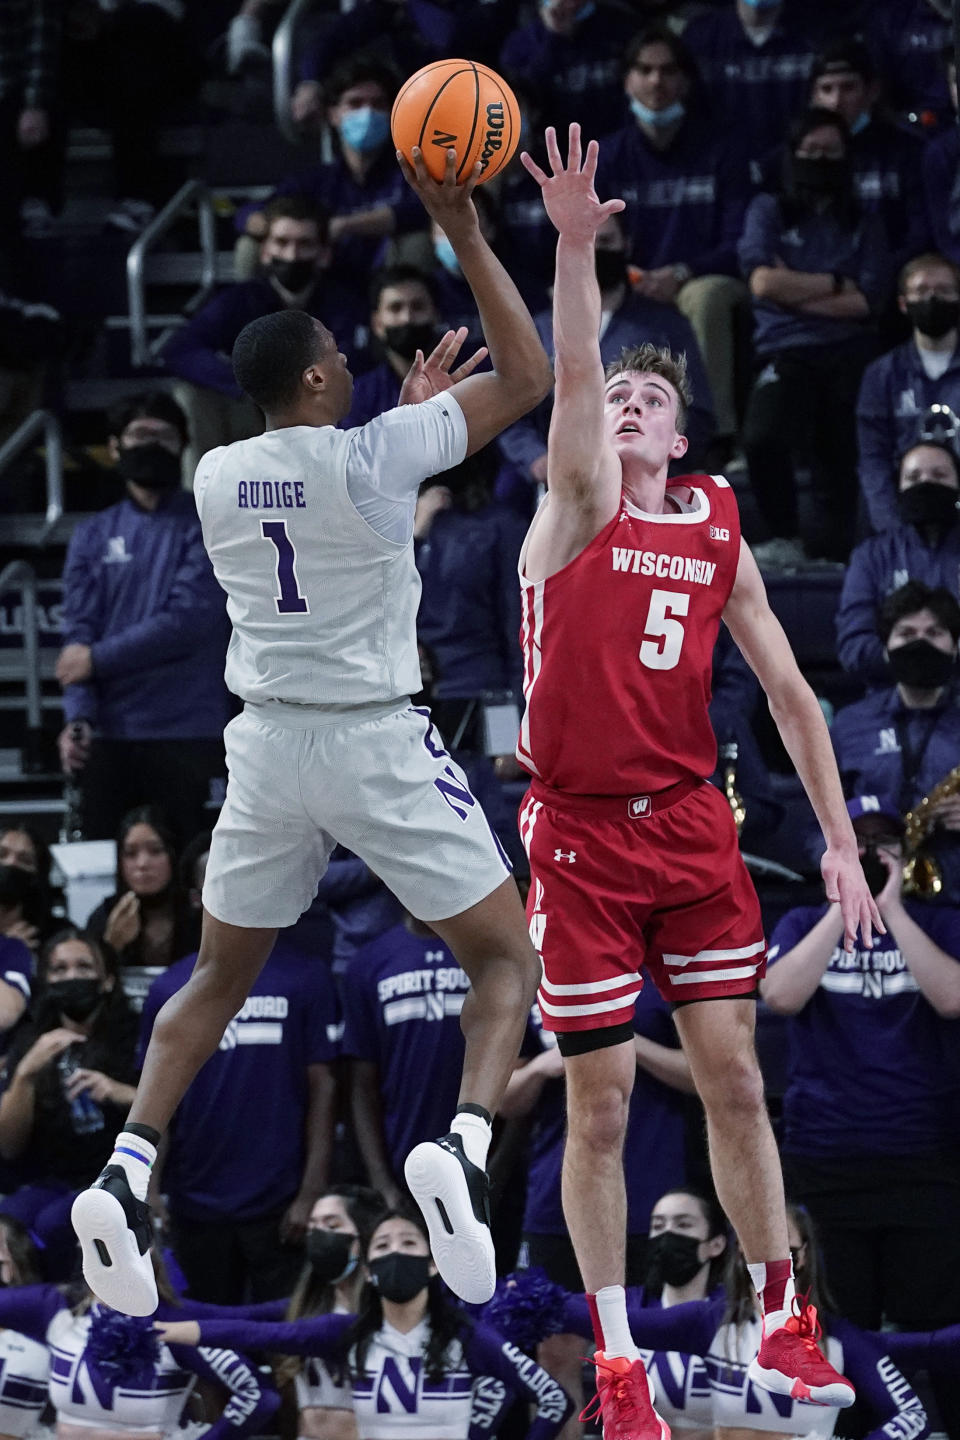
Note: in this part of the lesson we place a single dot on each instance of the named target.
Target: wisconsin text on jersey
(653, 562)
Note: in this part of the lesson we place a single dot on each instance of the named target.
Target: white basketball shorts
(378, 782)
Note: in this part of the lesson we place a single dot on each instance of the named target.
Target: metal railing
(46, 422)
(18, 575)
(144, 351)
(283, 48)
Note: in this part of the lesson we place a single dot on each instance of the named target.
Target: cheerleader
(418, 1367)
(112, 1378)
(24, 1363)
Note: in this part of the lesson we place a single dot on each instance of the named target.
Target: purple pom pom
(526, 1308)
(124, 1348)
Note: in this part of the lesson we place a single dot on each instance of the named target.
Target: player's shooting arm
(521, 375)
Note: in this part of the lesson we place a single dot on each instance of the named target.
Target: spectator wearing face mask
(68, 1084)
(886, 159)
(902, 740)
(145, 635)
(755, 60)
(898, 389)
(338, 1233)
(817, 269)
(871, 1110)
(925, 545)
(568, 58)
(408, 33)
(293, 274)
(361, 189)
(404, 318)
(683, 176)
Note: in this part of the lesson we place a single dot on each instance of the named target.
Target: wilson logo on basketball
(443, 139)
(494, 138)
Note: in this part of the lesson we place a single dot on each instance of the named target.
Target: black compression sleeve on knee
(581, 1042)
(146, 1132)
(469, 1109)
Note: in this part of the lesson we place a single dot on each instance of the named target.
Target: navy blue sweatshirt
(138, 588)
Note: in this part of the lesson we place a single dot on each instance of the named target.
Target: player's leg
(491, 943)
(706, 953)
(447, 1177)
(265, 859)
(397, 799)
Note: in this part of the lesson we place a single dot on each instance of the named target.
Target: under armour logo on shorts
(569, 855)
(639, 807)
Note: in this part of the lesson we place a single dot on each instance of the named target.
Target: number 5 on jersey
(661, 650)
(289, 601)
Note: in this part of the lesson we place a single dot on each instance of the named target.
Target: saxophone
(729, 753)
(921, 873)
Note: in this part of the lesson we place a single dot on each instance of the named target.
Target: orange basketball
(457, 105)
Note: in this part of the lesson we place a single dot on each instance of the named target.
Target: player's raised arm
(521, 375)
(579, 467)
(797, 714)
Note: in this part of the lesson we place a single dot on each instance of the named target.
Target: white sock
(476, 1134)
(135, 1156)
(611, 1304)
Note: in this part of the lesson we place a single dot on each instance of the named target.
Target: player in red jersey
(634, 857)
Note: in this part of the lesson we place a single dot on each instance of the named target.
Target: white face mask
(659, 119)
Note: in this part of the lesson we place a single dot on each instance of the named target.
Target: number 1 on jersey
(663, 652)
(289, 601)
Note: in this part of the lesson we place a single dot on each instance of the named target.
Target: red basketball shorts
(617, 883)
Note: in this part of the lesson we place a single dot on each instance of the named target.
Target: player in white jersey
(310, 532)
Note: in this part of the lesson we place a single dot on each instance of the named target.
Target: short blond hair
(649, 359)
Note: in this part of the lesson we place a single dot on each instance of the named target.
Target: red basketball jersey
(618, 649)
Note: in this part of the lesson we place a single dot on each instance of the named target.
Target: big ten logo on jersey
(260, 1022)
(423, 994)
(719, 532)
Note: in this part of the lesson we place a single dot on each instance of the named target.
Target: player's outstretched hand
(431, 376)
(568, 194)
(845, 882)
(446, 201)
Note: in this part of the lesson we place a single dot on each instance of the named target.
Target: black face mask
(921, 666)
(399, 1277)
(819, 175)
(933, 316)
(611, 268)
(874, 871)
(406, 340)
(153, 466)
(331, 1256)
(292, 275)
(928, 503)
(77, 999)
(671, 1259)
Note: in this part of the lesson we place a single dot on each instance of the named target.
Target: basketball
(457, 105)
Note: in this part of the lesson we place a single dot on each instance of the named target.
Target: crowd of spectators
(791, 173)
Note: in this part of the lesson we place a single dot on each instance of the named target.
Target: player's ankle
(135, 1155)
(473, 1125)
(608, 1310)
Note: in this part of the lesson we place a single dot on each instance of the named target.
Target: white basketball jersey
(323, 606)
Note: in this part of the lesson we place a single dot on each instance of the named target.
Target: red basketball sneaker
(624, 1401)
(791, 1362)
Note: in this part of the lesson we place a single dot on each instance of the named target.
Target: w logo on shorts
(639, 807)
